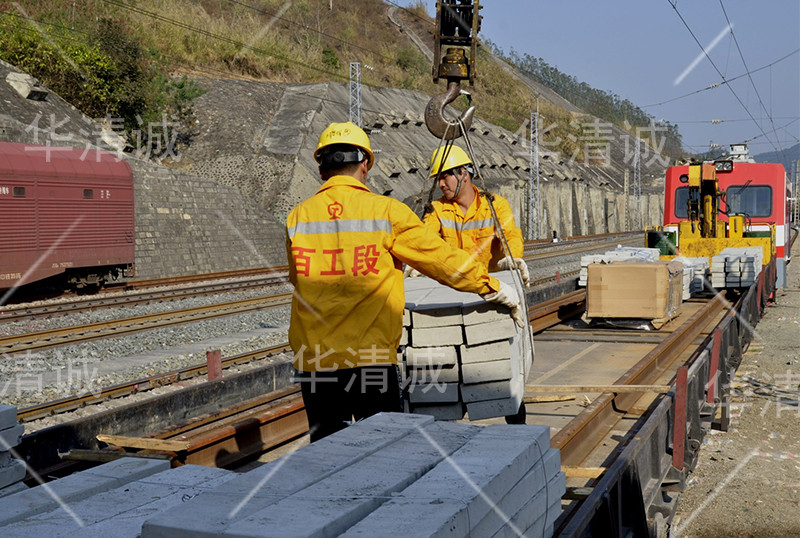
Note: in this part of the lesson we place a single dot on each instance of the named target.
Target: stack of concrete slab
(12, 470)
(736, 267)
(392, 474)
(695, 273)
(463, 354)
(113, 499)
(637, 254)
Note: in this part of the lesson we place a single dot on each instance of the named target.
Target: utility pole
(795, 194)
(637, 186)
(355, 93)
(534, 190)
(626, 202)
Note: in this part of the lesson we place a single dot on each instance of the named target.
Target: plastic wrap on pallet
(639, 254)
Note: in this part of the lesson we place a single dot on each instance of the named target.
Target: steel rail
(186, 279)
(71, 403)
(573, 250)
(105, 329)
(129, 299)
(581, 435)
(554, 311)
(599, 238)
(220, 438)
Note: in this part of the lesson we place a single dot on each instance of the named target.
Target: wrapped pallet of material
(463, 354)
(632, 290)
(695, 273)
(619, 254)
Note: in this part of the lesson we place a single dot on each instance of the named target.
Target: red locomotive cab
(64, 212)
(758, 191)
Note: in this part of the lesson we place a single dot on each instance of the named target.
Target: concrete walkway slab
(11, 473)
(11, 437)
(119, 513)
(209, 514)
(76, 487)
(331, 506)
(8, 416)
(460, 486)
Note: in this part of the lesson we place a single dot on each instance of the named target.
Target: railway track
(24, 312)
(121, 390)
(105, 329)
(263, 277)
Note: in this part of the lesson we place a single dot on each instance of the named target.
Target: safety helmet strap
(340, 155)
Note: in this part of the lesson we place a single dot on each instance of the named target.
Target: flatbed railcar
(66, 214)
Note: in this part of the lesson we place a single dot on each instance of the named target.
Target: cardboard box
(635, 290)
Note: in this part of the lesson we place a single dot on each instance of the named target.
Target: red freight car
(65, 213)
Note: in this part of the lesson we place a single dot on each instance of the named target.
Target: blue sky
(638, 49)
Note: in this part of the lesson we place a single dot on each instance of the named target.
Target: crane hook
(434, 114)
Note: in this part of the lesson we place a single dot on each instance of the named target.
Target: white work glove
(508, 263)
(508, 296)
(410, 272)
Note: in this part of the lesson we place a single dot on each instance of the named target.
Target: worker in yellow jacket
(346, 247)
(462, 216)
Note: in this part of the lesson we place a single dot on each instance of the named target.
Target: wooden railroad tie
(144, 443)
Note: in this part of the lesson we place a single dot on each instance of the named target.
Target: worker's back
(340, 240)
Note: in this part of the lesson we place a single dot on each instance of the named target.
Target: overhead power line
(741, 55)
(675, 7)
(724, 81)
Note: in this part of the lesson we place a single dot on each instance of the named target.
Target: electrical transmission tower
(355, 93)
(534, 192)
(637, 186)
(795, 194)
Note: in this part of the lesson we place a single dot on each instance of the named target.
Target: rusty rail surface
(64, 405)
(105, 329)
(26, 311)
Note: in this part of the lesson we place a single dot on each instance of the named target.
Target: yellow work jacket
(474, 231)
(346, 247)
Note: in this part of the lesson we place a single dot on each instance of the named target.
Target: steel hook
(434, 114)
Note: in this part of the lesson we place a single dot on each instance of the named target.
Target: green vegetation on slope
(601, 103)
(101, 70)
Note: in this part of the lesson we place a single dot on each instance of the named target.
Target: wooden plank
(529, 398)
(596, 388)
(143, 442)
(582, 472)
(577, 494)
(105, 456)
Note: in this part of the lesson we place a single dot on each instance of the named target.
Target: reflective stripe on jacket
(346, 247)
(474, 231)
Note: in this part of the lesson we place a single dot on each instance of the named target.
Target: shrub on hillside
(103, 73)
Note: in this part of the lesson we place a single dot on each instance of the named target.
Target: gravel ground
(39, 377)
(747, 480)
(146, 395)
(106, 314)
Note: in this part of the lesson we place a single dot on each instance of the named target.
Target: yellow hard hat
(453, 158)
(344, 133)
